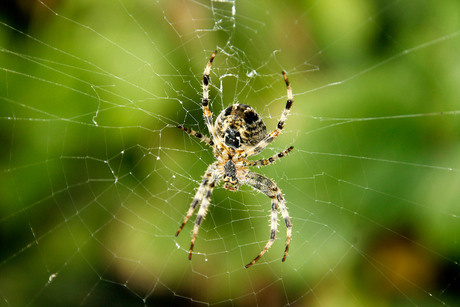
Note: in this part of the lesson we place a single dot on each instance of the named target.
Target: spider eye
(232, 138)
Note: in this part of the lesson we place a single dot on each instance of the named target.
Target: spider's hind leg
(205, 99)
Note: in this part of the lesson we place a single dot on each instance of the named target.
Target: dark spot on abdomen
(250, 116)
(232, 138)
(228, 111)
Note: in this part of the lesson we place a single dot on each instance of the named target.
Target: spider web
(96, 178)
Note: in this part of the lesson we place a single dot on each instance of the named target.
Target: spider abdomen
(240, 126)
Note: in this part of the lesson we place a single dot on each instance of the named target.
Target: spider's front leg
(203, 196)
(269, 188)
(201, 215)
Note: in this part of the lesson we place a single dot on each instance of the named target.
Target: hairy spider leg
(202, 191)
(265, 162)
(273, 230)
(201, 214)
(205, 101)
(198, 135)
(287, 221)
(269, 188)
(269, 138)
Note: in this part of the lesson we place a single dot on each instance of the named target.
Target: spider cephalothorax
(239, 132)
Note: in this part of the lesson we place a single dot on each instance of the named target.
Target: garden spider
(238, 133)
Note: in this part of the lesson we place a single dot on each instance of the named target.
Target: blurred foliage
(96, 178)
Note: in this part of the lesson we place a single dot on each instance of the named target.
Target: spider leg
(198, 135)
(205, 101)
(202, 191)
(274, 229)
(201, 214)
(287, 221)
(265, 162)
(269, 188)
(269, 138)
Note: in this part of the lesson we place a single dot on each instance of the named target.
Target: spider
(239, 132)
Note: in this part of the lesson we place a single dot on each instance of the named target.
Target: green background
(95, 178)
